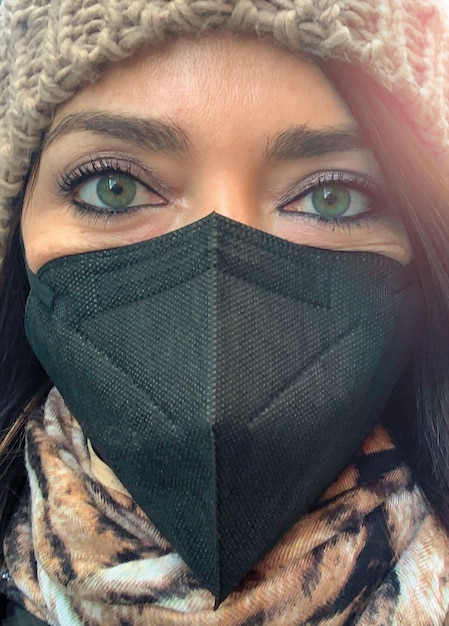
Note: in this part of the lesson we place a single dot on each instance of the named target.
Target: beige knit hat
(48, 48)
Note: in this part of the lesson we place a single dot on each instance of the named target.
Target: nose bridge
(235, 202)
(231, 191)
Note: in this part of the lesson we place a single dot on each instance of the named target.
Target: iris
(331, 201)
(116, 191)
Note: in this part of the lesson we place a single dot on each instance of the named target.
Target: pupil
(115, 187)
(330, 197)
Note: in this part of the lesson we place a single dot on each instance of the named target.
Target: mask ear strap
(42, 291)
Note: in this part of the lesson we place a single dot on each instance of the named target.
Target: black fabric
(225, 375)
(15, 615)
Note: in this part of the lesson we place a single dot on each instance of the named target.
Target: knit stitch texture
(49, 48)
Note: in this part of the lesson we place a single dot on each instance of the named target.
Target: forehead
(244, 83)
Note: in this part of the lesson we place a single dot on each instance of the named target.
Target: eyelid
(357, 180)
(68, 181)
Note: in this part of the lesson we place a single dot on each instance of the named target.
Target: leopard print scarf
(370, 553)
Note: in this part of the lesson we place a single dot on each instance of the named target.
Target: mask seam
(302, 372)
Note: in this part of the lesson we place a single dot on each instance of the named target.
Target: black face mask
(225, 375)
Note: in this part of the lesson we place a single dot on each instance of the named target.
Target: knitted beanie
(49, 48)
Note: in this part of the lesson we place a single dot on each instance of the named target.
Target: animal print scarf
(370, 553)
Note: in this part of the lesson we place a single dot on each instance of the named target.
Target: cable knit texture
(49, 48)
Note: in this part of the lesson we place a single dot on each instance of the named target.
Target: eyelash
(345, 180)
(68, 182)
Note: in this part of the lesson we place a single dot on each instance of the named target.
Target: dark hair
(24, 383)
(418, 414)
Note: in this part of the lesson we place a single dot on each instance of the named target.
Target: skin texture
(228, 100)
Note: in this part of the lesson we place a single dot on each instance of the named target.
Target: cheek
(39, 246)
(386, 236)
(34, 237)
(48, 233)
(392, 240)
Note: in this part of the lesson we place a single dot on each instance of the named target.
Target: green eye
(336, 197)
(109, 188)
(331, 201)
(116, 191)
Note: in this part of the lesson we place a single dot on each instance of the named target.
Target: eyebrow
(154, 135)
(298, 142)
(303, 142)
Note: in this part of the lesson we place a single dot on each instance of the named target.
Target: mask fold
(225, 375)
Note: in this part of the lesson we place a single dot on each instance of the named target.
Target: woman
(232, 240)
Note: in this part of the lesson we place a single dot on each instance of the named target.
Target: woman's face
(234, 126)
